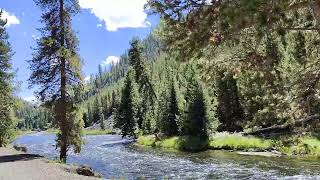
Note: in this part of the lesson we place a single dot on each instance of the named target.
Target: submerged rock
(20, 148)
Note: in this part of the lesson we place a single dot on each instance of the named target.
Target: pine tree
(102, 125)
(169, 112)
(229, 110)
(6, 103)
(96, 110)
(100, 76)
(113, 100)
(195, 122)
(86, 120)
(125, 116)
(90, 115)
(104, 105)
(141, 76)
(145, 86)
(300, 52)
(56, 68)
(173, 112)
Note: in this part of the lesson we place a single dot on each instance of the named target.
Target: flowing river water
(114, 157)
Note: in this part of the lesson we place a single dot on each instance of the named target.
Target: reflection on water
(114, 157)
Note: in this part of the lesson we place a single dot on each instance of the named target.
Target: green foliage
(145, 111)
(146, 140)
(302, 146)
(230, 111)
(32, 117)
(138, 64)
(102, 125)
(169, 112)
(6, 97)
(184, 143)
(70, 133)
(300, 52)
(126, 114)
(56, 70)
(195, 123)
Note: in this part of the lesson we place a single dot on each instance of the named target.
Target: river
(114, 157)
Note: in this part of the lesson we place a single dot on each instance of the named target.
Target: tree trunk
(63, 81)
(63, 153)
(285, 128)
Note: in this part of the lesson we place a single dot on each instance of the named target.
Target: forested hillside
(31, 116)
(247, 66)
(184, 79)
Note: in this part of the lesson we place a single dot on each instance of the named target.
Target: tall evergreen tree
(96, 110)
(6, 103)
(125, 116)
(169, 112)
(195, 122)
(90, 114)
(300, 52)
(173, 112)
(229, 110)
(86, 120)
(145, 86)
(113, 100)
(136, 61)
(56, 67)
(102, 125)
(100, 76)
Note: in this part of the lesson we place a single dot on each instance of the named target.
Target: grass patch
(184, 143)
(301, 146)
(238, 142)
(97, 132)
(52, 131)
(146, 140)
(86, 132)
(18, 133)
(291, 145)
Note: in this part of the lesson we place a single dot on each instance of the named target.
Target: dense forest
(246, 66)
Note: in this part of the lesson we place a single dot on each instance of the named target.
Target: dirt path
(16, 165)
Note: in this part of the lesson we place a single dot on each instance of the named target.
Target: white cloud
(110, 60)
(118, 14)
(31, 99)
(208, 2)
(34, 37)
(87, 79)
(99, 25)
(11, 18)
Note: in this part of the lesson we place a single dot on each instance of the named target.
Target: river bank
(87, 131)
(17, 165)
(306, 146)
(114, 158)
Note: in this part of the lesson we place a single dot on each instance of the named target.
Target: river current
(114, 157)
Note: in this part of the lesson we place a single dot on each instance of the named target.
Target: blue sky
(104, 28)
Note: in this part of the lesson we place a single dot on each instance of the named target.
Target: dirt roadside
(15, 165)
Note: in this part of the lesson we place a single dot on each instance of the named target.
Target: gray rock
(20, 148)
(85, 171)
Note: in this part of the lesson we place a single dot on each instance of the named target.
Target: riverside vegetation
(249, 66)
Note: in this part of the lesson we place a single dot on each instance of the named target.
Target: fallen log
(285, 128)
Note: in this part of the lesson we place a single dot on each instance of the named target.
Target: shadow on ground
(18, 157)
